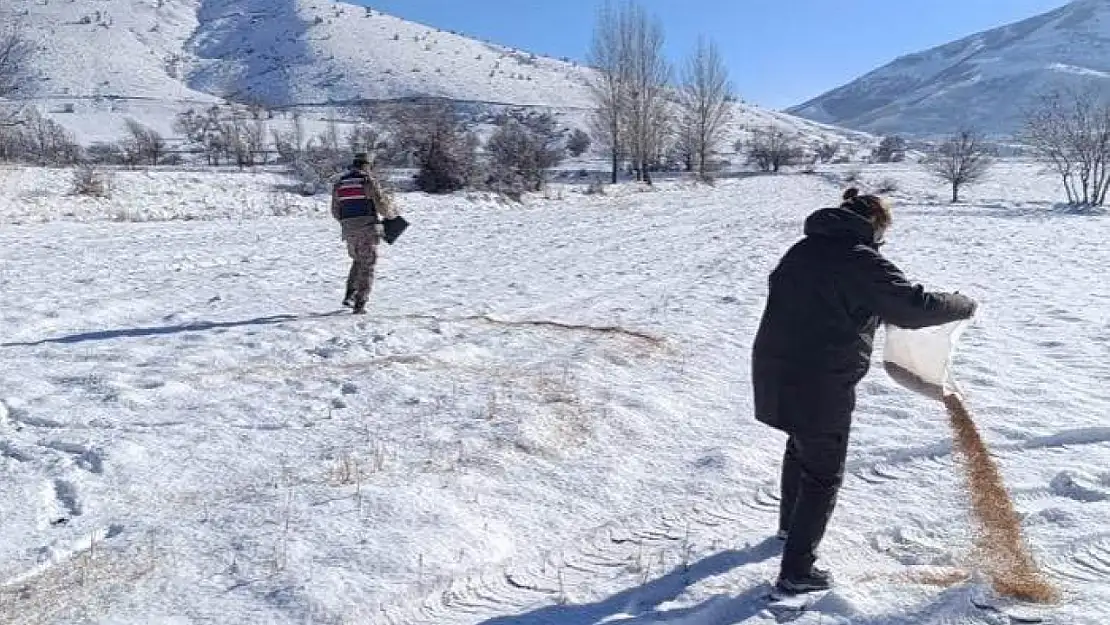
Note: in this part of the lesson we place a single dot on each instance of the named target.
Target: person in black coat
(827, 297)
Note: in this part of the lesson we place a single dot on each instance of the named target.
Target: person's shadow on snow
(641, 602)
(195, 326)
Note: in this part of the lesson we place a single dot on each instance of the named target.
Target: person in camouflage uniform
(359, 204)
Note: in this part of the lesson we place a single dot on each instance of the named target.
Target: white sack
(921, 359)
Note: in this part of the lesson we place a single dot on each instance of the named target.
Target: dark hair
(872, 207)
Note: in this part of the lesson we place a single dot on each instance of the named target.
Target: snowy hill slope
(985, 81)
(306, 51)
(280, 52)
(149, 59)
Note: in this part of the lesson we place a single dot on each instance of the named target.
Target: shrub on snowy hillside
(578, 143)
(887, 186)
(521, 152)
(107, 154)
(770, 149)
(91, 182)
(826, 152)
(435, 137)
(891, 149)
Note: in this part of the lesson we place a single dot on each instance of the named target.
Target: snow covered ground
(191, 432)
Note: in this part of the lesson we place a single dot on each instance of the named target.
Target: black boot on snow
(348, 300)
(814, 581)
(360, 308)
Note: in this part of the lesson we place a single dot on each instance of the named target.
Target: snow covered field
(190, 433)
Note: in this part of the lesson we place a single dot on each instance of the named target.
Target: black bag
(392, 228)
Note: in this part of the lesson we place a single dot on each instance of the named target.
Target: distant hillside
(105, 60)
(986, 81)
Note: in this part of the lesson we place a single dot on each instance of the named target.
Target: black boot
(814, 581)
(348, 300)
(360, 308)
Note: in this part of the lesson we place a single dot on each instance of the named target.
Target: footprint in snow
(87, 458)
(1080, 487)
(65, 494)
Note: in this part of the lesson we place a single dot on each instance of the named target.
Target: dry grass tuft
(1000, 548)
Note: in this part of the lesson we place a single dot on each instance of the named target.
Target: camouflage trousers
(362, 245)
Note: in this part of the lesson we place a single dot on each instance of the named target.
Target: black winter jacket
(827, 297)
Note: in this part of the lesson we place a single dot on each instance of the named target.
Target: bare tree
(16, 52)
(436, 137)
(290, 145)
(243, 134)
(190, 125)
(770, 149)
(609, 56)
(363, 138)
(1071, 132)
(522, 151)
(40, 140)
(205, 131)
(827, 151)
(684, 148)
(962, 159)
(144, 142)
(706, 103)
(647, 111)
(254, 138)
(321, 160)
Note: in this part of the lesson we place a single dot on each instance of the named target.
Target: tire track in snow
(647, 545)
(637, 547)
(1086, 560)
(901, 464)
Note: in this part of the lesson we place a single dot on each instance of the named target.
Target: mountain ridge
(106, 60)
(984, 81)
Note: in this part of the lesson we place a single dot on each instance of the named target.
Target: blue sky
(779, 52)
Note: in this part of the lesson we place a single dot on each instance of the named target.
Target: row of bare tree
(641, 117)
(637, 117)
(434, 138)
(1067, 130)
(28, 136)
(236, 134)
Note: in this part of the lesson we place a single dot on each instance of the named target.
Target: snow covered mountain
(986, 80)
(104, 60)
(279, 52)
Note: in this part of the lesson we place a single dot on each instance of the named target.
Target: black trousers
(812, 472)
